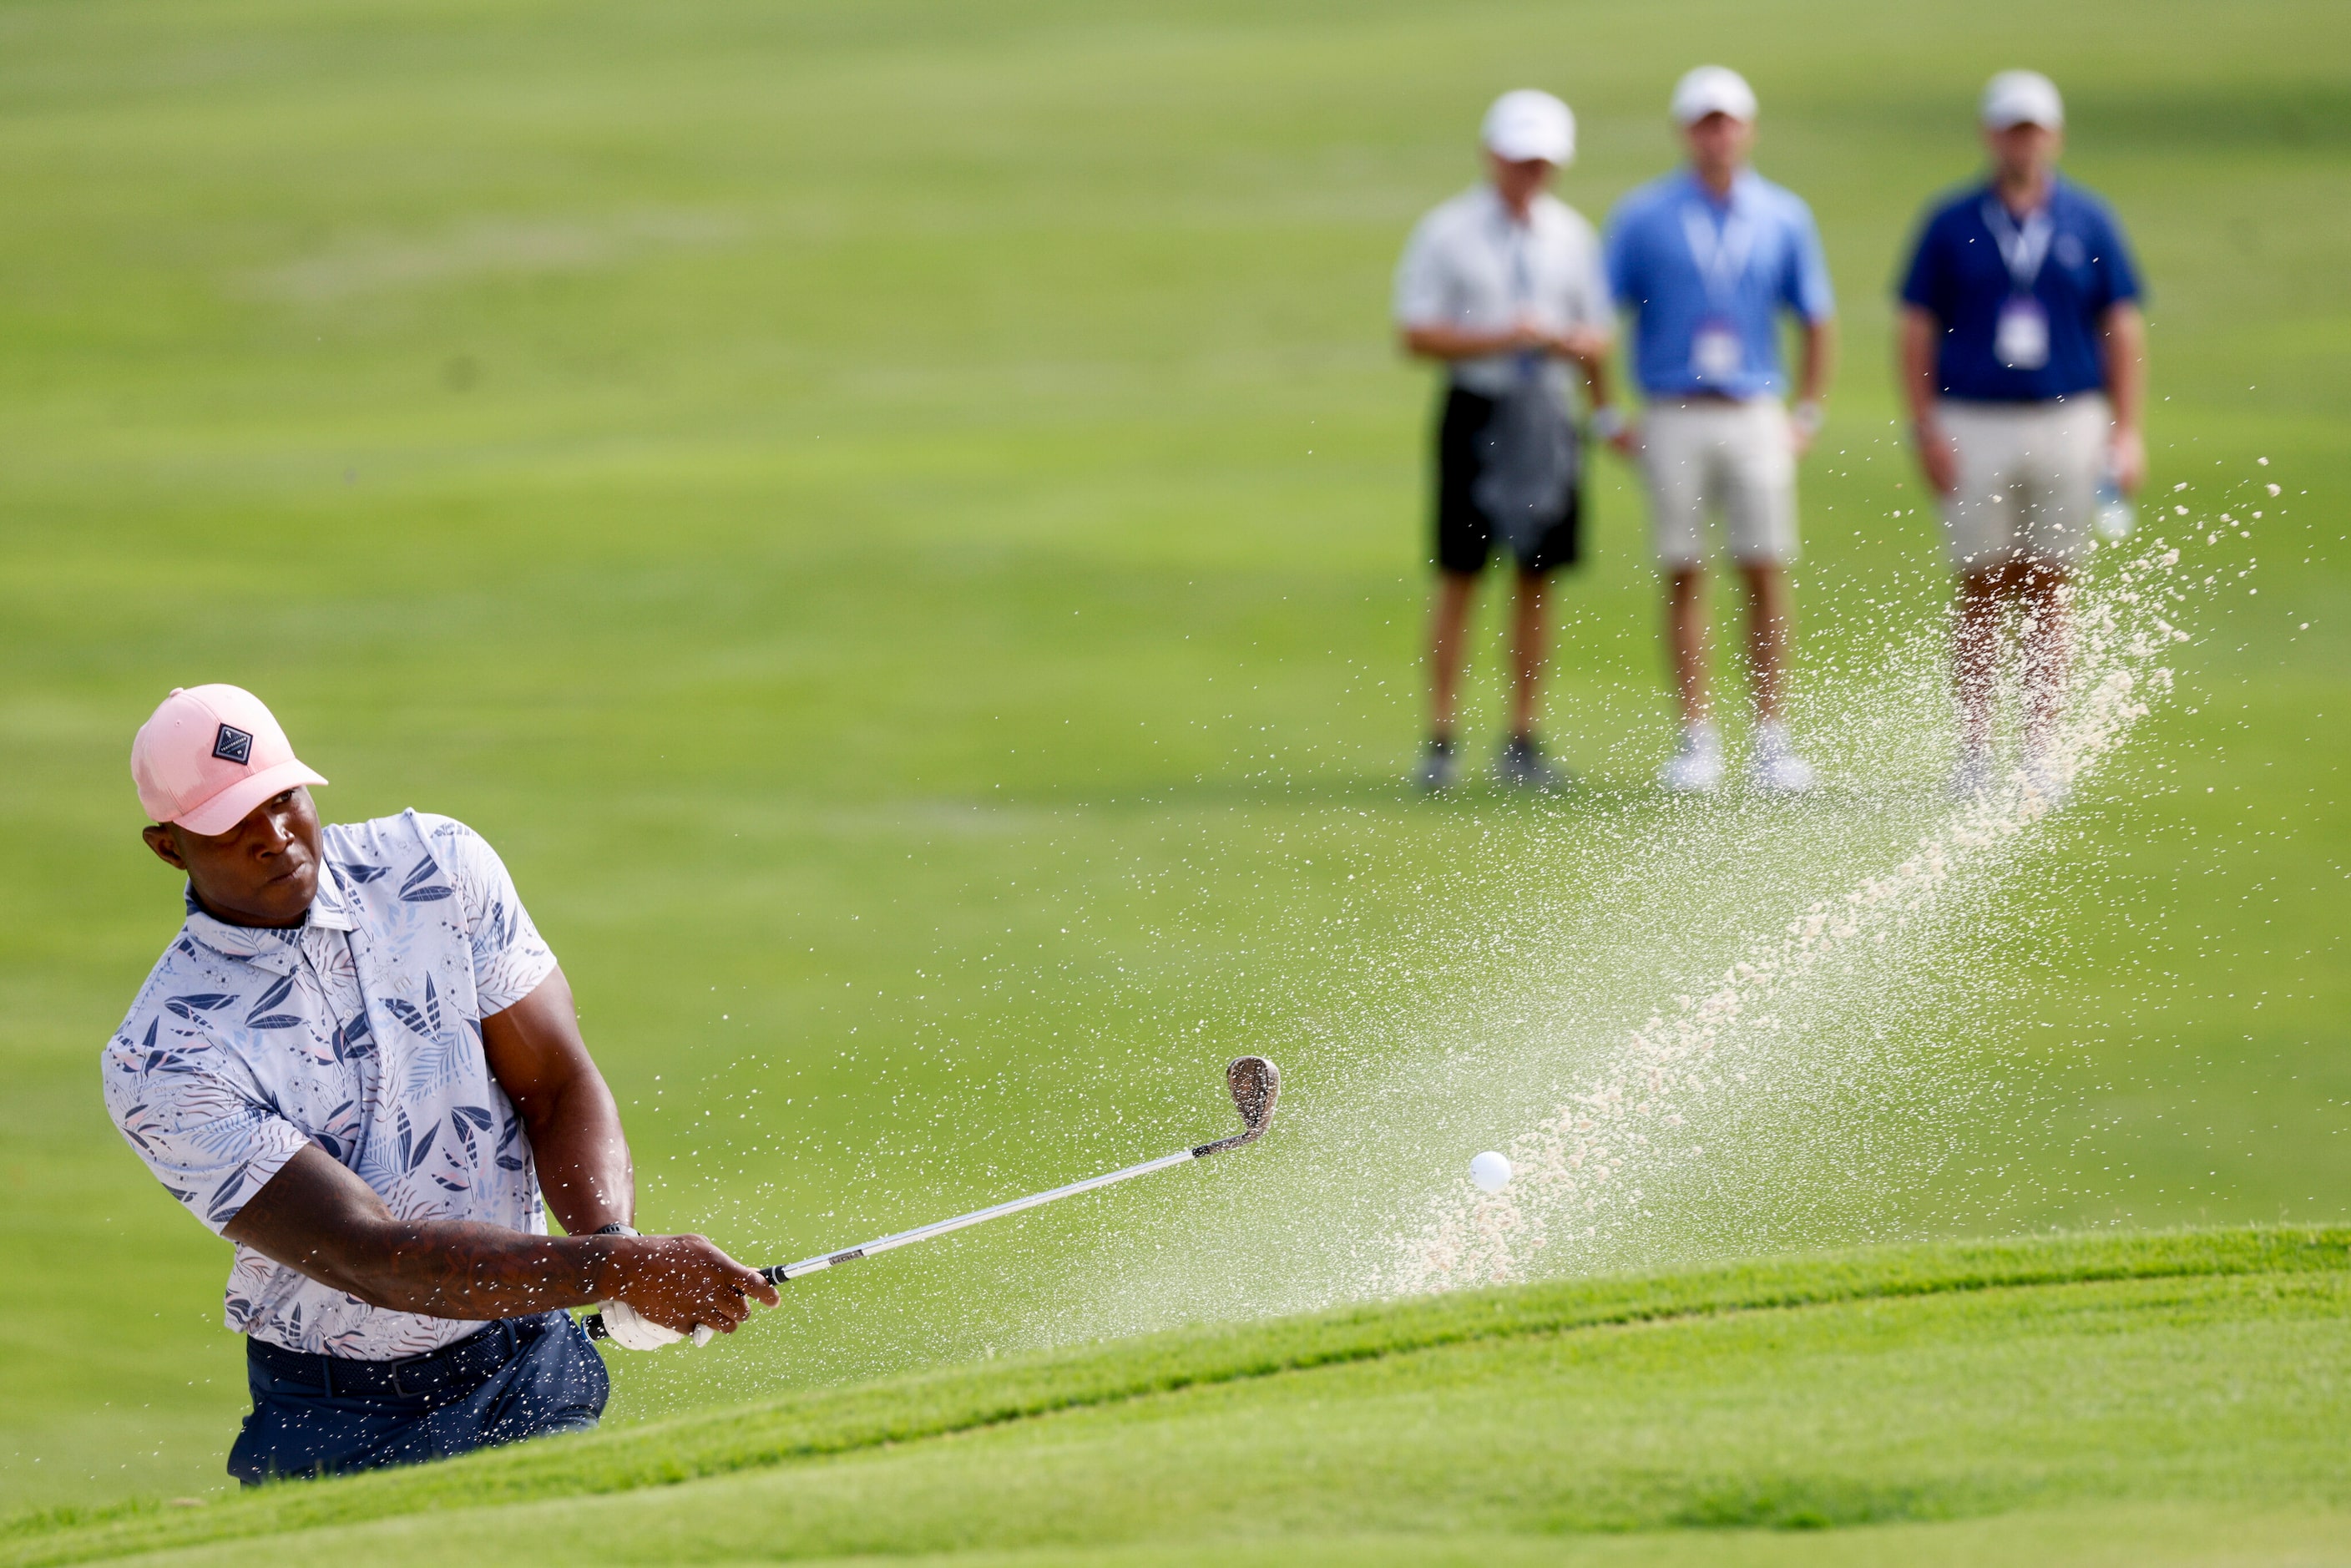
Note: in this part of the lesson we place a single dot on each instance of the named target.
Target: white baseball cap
(2022, 98)
(1529, 123)
(1713, 89)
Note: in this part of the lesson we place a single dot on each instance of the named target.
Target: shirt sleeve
(1927, 284)
(1616, 261)
(1423, 294)
(2117, 271)
(1808, 291)
(194, 1117)
(1594, 306)
(509, 956)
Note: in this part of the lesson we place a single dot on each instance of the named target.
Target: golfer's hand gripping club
(1255, 1083)
(667, 1287)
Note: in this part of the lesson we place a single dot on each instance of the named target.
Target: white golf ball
(1491, 1171)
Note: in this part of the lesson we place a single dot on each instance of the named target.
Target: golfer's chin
(282, 900)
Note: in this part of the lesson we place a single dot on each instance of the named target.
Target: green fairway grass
(2206, 1372)
(903, 524)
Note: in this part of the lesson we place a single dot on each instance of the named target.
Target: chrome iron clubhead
(1255, 1084)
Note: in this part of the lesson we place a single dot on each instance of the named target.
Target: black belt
(452, 1371)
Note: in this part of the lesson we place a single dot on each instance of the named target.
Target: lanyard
(2023, 249)
(1522, 278)
(1517, 238)
(1721, 254)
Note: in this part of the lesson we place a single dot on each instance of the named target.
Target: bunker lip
(941, 1401)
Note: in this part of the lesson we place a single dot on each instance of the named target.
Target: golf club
(1255, 1083)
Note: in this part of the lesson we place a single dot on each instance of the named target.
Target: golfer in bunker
(358, 1062)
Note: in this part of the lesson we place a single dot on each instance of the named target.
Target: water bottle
(2116, 513)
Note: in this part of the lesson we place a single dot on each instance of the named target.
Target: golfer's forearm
(318, 1218)
(449, 1268)
(2124, 347)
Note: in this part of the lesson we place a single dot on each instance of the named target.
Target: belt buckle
(400, 1370)
(430, 1370)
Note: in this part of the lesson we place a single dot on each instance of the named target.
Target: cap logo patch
(232, 745)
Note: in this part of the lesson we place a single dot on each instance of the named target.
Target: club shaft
(1254, 1081)
(978, 1216)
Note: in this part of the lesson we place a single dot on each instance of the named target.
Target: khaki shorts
(2028, 479)
(1736, 457)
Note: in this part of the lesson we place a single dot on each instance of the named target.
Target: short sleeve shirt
(1959, 275)
(359, 1031)
(1470, 264)
(1686, 264)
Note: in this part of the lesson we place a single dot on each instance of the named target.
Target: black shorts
(1465, 534)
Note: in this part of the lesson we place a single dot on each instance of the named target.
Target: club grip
(594, 1323)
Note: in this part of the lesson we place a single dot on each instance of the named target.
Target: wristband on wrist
(1808, 417)
(615, 1229)
(1607, 421)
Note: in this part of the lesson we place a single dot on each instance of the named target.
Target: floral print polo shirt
(360, 1032)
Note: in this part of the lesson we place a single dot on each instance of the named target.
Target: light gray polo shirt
(1470, 264)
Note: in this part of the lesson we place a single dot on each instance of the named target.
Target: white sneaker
(1696, 764)
(1971, 775)
(1776, 768)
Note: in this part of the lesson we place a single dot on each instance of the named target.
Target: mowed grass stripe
(966, 1398)
(2138, 1535)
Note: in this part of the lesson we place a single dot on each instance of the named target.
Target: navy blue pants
(323, 1414)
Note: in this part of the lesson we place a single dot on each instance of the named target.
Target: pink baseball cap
(211, 754)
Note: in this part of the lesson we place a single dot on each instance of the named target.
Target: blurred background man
(1706, 259)
(2023, 364)
(1503, 286)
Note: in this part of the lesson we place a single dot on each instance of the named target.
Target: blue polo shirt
(1687, 264)
(1958, 273)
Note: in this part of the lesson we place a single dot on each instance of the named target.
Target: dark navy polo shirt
(1958, 274)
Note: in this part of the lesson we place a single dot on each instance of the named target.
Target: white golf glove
(632, 1330)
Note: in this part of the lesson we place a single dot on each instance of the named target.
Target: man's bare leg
(2041, 593)
(1776, 767)
(1527, 644)
(1696, 764)
(1448, 631)
(1686, 635)
(1975, 653)
(1766, 634)
(2038, 590)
